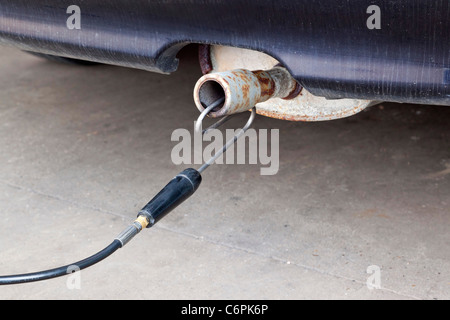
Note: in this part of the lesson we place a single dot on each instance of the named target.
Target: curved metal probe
(199, 122)
(198, 128)
(217, 124)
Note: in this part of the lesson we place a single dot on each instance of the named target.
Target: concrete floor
(82, 149)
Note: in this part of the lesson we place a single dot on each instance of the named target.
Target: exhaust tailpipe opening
(210, 92)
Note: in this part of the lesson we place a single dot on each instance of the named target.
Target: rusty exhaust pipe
(243, 89)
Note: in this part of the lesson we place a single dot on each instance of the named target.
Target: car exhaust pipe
(243, 89)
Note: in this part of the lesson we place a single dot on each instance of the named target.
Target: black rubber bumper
(325, 44)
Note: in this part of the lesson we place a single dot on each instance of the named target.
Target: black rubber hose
(174, 193)
(62, 271)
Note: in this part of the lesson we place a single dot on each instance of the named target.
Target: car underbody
(340, 64)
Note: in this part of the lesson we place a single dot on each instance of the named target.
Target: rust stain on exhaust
(204, 57)
(295, 92)
(244, 89)
(266, 82)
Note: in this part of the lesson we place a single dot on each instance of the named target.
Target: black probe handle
(176, 192)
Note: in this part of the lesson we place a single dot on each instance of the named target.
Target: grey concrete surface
(82, 149)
